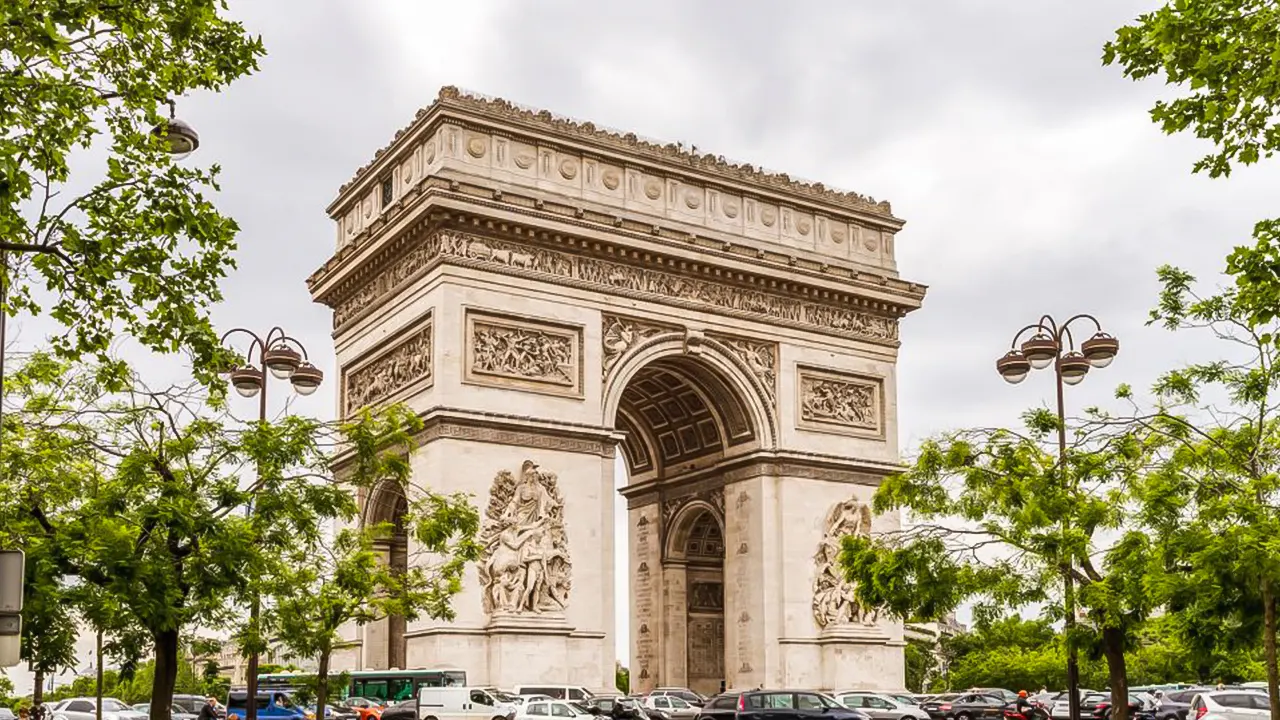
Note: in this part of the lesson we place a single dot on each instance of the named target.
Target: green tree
(140, 248)
(165, 515)
(621, 678)
(997, 518)
(921, 661)
(318, 589)
(1212, 504)
(1222, 57)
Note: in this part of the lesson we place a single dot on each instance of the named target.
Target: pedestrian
(1043, 690)
(209, 711)
(24, 714)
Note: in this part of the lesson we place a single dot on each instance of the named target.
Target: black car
(977, 706)
(407, 710)
(777, 705)
(939, 706)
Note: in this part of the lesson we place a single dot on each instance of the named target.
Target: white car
(880, 707)
(1230, 705)
(670, 707)
(86, 709)
(520, 700)
(545, 709)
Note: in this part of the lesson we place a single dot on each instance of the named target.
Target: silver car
(1230, 705)
(671, 707)
(881, 707)
(86, 709)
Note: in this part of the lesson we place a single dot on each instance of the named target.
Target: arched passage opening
(682, 417)
(384, 643)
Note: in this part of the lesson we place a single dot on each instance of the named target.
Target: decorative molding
(524, 566)
(834, 602)
(399, 365)
(760, 357)
(519, 353)
(529, 438)
(845, 403)
(616, 279)
(541, 120)
(621, 335)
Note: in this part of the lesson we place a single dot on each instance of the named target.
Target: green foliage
(921, 661)
(136, 502)
(142, 249)
(1223, 55)
(621, 678)
(321, 586)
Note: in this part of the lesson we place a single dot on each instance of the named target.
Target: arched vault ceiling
(679, 410)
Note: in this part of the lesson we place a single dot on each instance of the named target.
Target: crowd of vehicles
(445, 695)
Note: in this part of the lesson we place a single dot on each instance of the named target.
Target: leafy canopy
(139, 247)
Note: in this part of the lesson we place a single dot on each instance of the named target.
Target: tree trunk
(37, 691)
(166, 678)
(1113, 650)
(322, 684)
(97, 710)
(1269, 642)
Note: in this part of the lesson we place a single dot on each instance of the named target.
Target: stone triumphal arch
(547, 295)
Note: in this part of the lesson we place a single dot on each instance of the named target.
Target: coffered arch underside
(679, 397)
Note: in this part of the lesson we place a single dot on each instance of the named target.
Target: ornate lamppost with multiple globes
(1042, 349)
(280, 357)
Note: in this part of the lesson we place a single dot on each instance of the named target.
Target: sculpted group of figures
(833, 599)
(525, 567)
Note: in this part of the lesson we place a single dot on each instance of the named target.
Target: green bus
(385, 686)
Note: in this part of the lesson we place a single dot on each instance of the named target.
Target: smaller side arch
(675, 544)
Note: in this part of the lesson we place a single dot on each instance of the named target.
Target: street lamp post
(276, 357)
(1042, 349)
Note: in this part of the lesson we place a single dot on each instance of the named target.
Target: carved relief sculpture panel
(838, 402)
(402, 365)
(524, 566)
(518, 353)
(622, 334)
(833, 596)
(760, 357)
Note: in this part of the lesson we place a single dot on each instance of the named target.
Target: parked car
(1230, 705)
(340, 712)
(6, 714)
(671, 707)
(193, 703)
(1089, 699)
(519, 700)
(559, 692)
(367, 709)
(977, 706)
(685, 694)
(776, 705)
(460, 702)
(1007, 695)
(939, 706)
(881, 707)
(271, 705)
(86, 709)
(1175, 704)
(176, 712)
(547, 709)
(406, 710)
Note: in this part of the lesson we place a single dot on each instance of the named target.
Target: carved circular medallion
(869, 240)
(568, 169)
(768, 216)
(611, 179)
(524, 161)
(837, 235)
(476, 147)
(653, 189)
(804, 226)
(693, 199)
(431, 153)
(730, 209)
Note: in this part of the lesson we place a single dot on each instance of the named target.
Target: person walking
(209, 711)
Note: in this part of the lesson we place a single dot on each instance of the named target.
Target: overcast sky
(1030, 177)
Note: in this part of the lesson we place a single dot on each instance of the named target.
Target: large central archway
(682, 415)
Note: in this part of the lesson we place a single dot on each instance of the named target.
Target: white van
(572, 693)
(461, 703)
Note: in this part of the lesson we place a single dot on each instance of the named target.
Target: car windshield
(113, 705)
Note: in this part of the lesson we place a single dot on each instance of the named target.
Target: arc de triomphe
(548, 294)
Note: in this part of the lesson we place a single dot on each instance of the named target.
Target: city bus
(385, 686)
